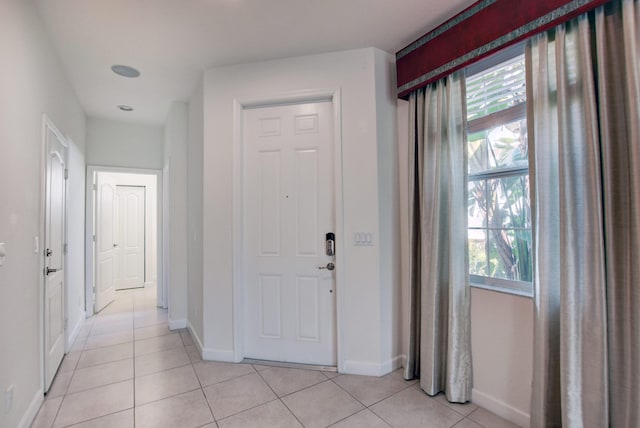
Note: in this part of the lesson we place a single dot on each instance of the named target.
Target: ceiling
(172, 41)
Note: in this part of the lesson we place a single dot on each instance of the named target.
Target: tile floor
(127, 369)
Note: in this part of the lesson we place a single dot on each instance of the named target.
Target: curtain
(584, 94)
(440, 339)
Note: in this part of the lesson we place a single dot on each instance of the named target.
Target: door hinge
(94, 238)
(66, 323)
(95, 186)
(66, 173)
(65, 248)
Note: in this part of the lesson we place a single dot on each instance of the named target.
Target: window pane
(477, 204)
(477, 252)
(510, 254)
(509, 205)
(504, 146)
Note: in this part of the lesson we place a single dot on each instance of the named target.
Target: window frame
(483, 123)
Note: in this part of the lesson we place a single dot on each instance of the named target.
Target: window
(499, 209)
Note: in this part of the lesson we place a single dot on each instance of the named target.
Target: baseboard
(195, 336)
(32, 410)
(368, 368)
(500, 408)
(225, 355)
(177, 324)
(76, 330)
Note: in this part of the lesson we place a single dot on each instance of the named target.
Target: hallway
(127, 369)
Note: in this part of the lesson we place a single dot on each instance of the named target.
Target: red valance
(480, 30)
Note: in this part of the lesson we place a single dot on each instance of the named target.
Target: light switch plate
(363, 239)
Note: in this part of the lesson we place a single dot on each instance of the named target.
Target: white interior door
(105, 240)
(55, 201)
(288, 210)
(131, 236)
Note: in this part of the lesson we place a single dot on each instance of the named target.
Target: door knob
(329, 266)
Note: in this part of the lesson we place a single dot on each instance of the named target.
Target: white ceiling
(172, 41)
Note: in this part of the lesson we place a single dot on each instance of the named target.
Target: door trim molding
(298, 97)
(47, 124)
(89, 230)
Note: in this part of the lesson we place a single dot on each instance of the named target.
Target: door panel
(131, 236)
(55, 203)
(289, 207)
(105, 240)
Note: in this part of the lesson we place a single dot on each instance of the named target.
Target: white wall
(113, 143)
(32, 82)
(175, 158)
(151, 218)
(194, 211)
(367, 342)
(501, 325)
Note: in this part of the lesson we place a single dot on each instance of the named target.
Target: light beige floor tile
(284, 381)
(160, 361)
(104, 355)
(187, 410)
(157, 344)
(79, 343)
(122, 419)
(60, 385)
(165, 384)
(368, 389)
(47, 413)
(321, 405)
(260, 367)
(187, 340)
(399, 375)
(235, 395)
(463, 409)
(363, 419)
(101, 328)
(93, 403)
(413, 408)
(210, 372)
(331, 375)
(271, 415)
(150, 317)
(103, 374)
(467, 423)
(109, 339)
(490, 420)
(151, 331)
(69, 362)
(194, 353)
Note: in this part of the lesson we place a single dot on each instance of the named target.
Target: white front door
(105, 240)
(55, 201)
(131, 236)
(288, 210)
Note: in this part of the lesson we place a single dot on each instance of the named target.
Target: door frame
(39, 243)
(90, 255)
(269, 100)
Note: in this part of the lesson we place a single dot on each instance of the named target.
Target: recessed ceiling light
(125, 70)
(124, 107)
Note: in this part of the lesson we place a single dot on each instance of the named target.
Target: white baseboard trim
(177, 324)
(368, 368)
(195, 336)
(32, 411)
(76, 330)
(500, 408)
(226, 355)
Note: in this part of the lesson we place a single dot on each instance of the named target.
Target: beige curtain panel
(440, 336)
(584, 100)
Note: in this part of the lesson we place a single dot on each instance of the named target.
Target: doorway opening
(124, 234)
